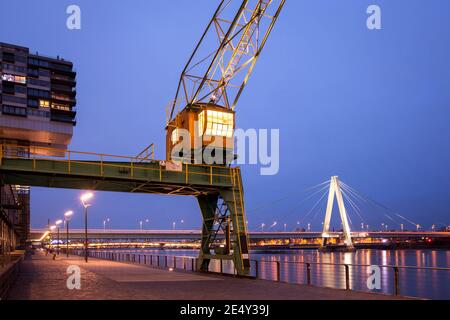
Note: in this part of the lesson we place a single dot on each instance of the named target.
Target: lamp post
(57, 223)
(52, 228)
(84, 198)
(104, 224)
(67, 216)
(142, 222)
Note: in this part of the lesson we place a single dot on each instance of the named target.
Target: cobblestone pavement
(45, 279)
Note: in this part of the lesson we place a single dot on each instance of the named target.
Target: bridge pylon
(335, 190)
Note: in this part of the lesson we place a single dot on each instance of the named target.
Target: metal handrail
(351, 264)
(155, 260)
(134, 162)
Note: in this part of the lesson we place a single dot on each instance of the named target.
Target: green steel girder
(206, 183)
(148, 177)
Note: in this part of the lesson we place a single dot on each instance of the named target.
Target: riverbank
(42, 278)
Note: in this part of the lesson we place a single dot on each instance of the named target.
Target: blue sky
(369, 106)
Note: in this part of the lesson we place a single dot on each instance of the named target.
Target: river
(418, 270)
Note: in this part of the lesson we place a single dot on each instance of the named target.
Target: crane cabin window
(218, 123)
(175, 136)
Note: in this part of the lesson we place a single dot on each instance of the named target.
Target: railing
(128, 166)
(185, 263)
(421, 282)
(414, 281)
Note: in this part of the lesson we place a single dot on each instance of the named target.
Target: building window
(13, 78)
(14, 99)
(39, 113)
(9, 57)
(21, 89)
(14, 68)
(58, 106)
(38, 93)
(8, 88)
(219, 123)
(61, 97)
(44, 73)
(44, 103)
(33, 103)
(33, 72)
(175, 136)
(201, 123)
(17, 111)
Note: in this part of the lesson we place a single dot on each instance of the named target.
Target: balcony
(64, 98)
(63, 116)
(64, 89)
(63, 80)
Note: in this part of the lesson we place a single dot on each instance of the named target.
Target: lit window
(60, 107)
(201, 123)
(44, 103)
(219, 124)
(175, 136)
(20, 79)
(13, 78)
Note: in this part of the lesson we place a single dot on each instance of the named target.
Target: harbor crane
(201, 119)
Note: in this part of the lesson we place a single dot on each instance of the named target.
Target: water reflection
(325, 271)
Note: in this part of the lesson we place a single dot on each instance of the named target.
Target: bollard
(157, 261)
(347, 277)
(192, 264)
(184, 263)
(278, 270)
(396, 289)
(165, 261)
(308, 274)
(256, 269)
(145, 259)
(174, 262)
(221, 266)
(151, 260)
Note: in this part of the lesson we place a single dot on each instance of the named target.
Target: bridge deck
(121, 174)
(43, 278)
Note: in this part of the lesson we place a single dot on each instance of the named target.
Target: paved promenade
(44, 278)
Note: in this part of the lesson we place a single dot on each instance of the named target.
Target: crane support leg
(224, 215)
(208, 204)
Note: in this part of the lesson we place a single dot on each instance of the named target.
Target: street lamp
(84, 198)
(52, 228)
(141, 223)
(104, 224)
(57, 223)
(67, 216)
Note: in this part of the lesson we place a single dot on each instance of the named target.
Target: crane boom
(238, 32)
